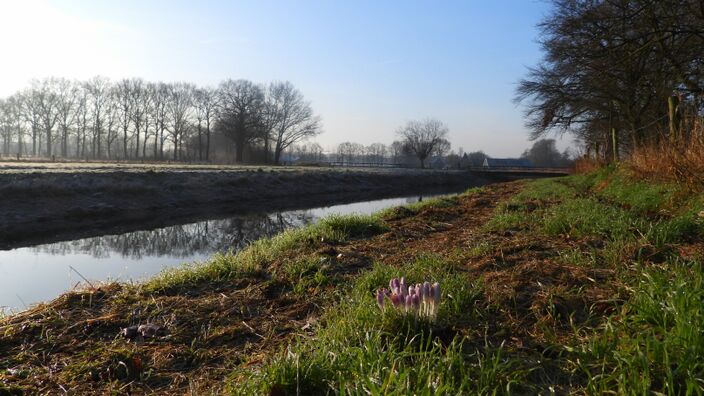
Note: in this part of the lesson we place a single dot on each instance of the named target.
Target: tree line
(132, 119)
(419, 140)
(618, 74)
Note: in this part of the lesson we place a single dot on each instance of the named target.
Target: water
(39, 273)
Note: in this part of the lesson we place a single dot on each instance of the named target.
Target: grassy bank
(583, 284)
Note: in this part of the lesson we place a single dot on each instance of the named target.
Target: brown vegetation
(680, 161)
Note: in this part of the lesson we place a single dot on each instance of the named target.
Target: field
(583, 284)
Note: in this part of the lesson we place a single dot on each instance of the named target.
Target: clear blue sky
(367, 66)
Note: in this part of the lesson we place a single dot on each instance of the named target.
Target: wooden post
(673, 115)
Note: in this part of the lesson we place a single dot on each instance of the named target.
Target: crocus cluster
(421, 299)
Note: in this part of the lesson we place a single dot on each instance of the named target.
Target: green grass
(639, 197)
(546, 190)
(656, 344)
(503, 221)
(252, 261)
(588, 217)
(308, 272)
(359, 349)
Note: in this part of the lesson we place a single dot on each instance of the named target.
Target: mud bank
(46, 206)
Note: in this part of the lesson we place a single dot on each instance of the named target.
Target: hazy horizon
(367, 68)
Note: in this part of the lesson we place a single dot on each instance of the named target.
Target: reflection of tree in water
(205, 237)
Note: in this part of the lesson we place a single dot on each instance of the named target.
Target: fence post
(673, 115)
(614, 143)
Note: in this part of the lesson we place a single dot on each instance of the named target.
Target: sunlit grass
(252, 261)
(656, 343)
(360, 349)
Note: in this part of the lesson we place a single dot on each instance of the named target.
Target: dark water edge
(36, 273)
(135, 220)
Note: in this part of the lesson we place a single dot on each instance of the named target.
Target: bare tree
(178, 112)
(14, 108)
(46, 101)
(159, 93)
(240, 113)
(112, 118)
(292, 116)
(98, 89)
(205, 102)
(423, 138)
(377, 152)
(32, 115)
(81, 121)
(123, 97)
(67, 92)
(5, 126)
(139, 96)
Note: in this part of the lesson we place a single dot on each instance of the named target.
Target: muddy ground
(47, 202)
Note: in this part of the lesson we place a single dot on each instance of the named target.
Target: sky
(367, 67)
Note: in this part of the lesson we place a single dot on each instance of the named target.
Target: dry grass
(681, 162)
(587, 164)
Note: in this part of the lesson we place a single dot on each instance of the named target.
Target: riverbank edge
(43, 207)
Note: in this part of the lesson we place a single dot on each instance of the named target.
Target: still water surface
(39, 273)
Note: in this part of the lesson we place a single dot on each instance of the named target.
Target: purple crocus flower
(397, 300)
(409, 303)
(416, 301)
(436, 293)
(380, 295)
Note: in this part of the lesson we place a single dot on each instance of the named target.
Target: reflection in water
(185, 240)
(39, 273)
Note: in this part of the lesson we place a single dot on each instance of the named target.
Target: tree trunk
(673, 115)
(124, 141)
(239, 151)
(34, 141)
(200, 142)
(175, 148)
(207, 141)
(136, 133)
(161, 141)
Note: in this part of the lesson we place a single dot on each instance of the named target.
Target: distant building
(507, 163)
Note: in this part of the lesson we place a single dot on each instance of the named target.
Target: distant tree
(205, 102)
(397, 151)
(291, 116)
(240, 111)
(67, 92)
(476, 158)
(47, 101)
(178, 112)
(349, 152)
(377, 152)
(544, 153)
(423, 138)
(13, 111)
(141, 103)
(99, 92)
(159, 93)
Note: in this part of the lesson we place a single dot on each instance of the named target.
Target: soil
(73, 345)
